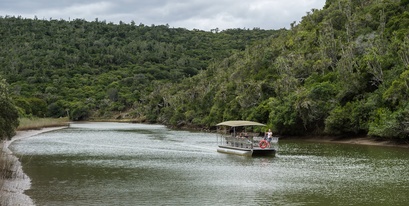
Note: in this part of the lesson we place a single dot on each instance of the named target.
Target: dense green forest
(342, 70)
(97, 69)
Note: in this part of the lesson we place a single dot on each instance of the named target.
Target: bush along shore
(13, 181)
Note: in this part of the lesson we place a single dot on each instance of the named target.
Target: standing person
(269, 135)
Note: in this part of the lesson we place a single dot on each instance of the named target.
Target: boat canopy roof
(240, 123)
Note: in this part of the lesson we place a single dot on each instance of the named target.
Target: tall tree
(8, 113)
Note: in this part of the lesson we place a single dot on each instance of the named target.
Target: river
(141, 164)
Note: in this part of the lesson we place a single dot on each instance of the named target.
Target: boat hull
(246, 151)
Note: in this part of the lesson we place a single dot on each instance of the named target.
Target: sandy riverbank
(12, 191)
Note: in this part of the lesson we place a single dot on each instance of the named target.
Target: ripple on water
(137, 164)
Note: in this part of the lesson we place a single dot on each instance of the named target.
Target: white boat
(233, 141)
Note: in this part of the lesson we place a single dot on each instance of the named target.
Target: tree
(8, 113)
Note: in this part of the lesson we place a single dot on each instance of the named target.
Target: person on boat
(232, 131)
(269, 136)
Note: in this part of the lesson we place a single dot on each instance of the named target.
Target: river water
(140, 164)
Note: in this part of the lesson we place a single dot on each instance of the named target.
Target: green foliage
(332, 74)
(79, 112)
(398, 93)
(8, 113)
(178, 119)
(38, 106)
(31, 106)
(314, 103)
(23, 105)
(8, 119)
(261, 112)
(350, 119)
(57, 109)
(388, 124)
(342, 70)
(284, 118)
(105, 66)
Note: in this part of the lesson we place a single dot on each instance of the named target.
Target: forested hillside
(96, 69)
(342, 70)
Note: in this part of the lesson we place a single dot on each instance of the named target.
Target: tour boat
(234, 139)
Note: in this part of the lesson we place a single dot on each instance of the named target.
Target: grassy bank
(38, 123)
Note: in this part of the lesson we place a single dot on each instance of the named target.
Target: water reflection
(137, 164)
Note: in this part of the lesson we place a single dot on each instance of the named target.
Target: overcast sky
(189, 14)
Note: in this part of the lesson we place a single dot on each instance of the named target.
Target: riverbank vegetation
(8, 112)
(341, 70)
(39, 123)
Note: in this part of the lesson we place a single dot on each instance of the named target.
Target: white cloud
(190, 14)
(77, 11)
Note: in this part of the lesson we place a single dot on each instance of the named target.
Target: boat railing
(240, 142)
(274, 139)
(245, 142)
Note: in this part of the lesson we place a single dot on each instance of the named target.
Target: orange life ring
(263, 144)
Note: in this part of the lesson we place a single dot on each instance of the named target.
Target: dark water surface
(139, 164)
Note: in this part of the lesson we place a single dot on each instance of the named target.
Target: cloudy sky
(189, 14)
